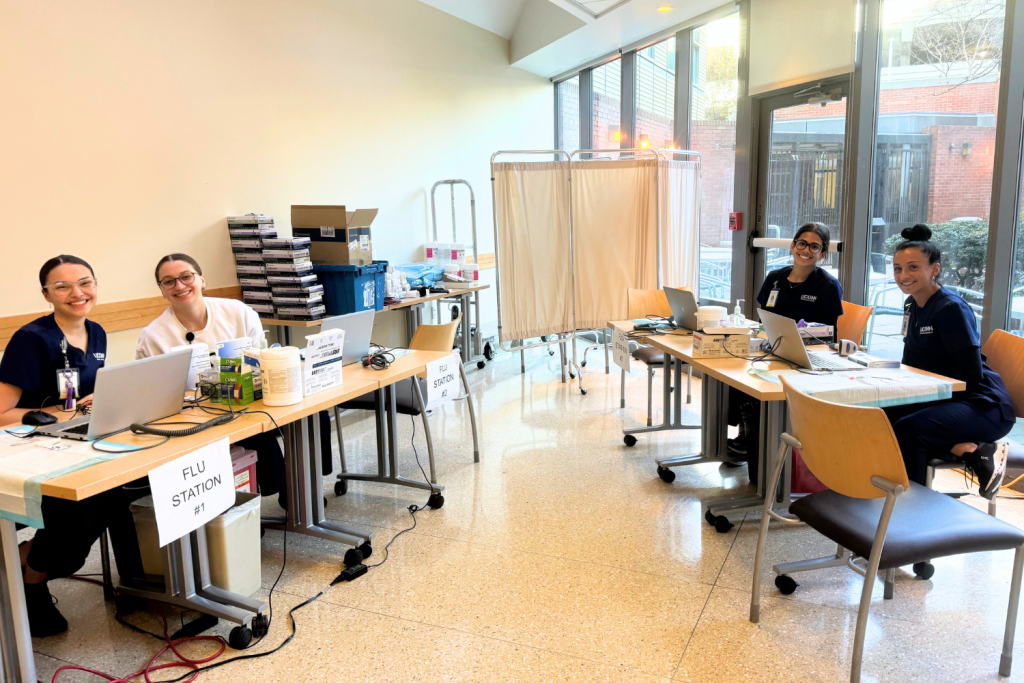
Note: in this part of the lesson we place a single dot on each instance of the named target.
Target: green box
(234, 384)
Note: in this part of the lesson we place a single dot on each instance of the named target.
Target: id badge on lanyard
(906, 320)
(772, 296)
(67, 380)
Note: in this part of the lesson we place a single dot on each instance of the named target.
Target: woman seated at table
(40, 361)
(941, 336)
(193, 317)
(802, 291)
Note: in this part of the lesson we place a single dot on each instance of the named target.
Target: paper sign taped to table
(442, 381)
(192, 490)
(322, 370)
(620, 348)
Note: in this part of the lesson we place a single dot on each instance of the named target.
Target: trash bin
(232, 539)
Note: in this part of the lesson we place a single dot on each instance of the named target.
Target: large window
(606, 105)
(569, 114)
(934, 147)
(656, 95)
(713, 94)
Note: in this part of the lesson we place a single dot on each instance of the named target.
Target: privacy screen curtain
(531, 202)
(680, 224)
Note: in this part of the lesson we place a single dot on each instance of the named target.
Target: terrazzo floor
(561, 556)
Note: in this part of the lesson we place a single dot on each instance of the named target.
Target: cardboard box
(235, 385)
(721, 345)
(339, 237)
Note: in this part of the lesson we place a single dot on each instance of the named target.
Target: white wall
(131, 129)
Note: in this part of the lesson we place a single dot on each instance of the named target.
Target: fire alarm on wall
(735, 220)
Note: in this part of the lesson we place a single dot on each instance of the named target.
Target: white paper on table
(323, 365)
(877, 387)
(190, 491)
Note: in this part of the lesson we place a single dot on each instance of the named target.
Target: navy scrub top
(944, 326)
(818, 299)
(33, 357)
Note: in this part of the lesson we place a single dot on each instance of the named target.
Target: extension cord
(351, 573)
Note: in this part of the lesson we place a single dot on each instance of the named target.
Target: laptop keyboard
(824, 360)
(82, 429)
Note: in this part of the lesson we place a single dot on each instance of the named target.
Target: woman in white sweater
(193, 317)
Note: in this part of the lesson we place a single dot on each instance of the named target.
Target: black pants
(929, 430)
(270, 458)
(72, 527)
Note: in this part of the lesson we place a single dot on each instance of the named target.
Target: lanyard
(69, 385)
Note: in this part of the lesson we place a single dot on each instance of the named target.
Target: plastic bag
(421, 274)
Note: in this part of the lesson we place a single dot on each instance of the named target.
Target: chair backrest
(853, 321)
(844, 446)
(1004, 353)
(645, 302)
(435, 337)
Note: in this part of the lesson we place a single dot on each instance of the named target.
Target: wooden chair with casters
(1004, 353)
(878, 519)
(408, 399)
(853, 322)
(642, 303)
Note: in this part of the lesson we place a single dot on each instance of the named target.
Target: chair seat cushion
(925, 525)
(649, 355)
(405, 400)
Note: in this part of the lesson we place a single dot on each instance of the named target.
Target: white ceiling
(549, 37)
(497, 16)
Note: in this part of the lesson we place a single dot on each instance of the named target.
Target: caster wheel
(667, 475)
(709, 518)
(489, 351)
(240, 637)
(260, 625)
(722, 524)
(366, 549)
(583, 391)
(353, 556)
(341, 487)
(630, 441)
(455, 312)
(572, 376)
(481, 365)
(435, 501)
(785, 584)
(924, 570)
(583, 364)
(543, 339)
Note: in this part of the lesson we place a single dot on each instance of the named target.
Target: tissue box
(721, 345)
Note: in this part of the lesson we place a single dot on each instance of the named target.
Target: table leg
(467, 324)
(714, 397)
(478, 343)
(607, 338)
(672, 417)
(19, 663)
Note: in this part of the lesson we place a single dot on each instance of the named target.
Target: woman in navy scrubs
(41, 359)
(802, 291)
(941, 336)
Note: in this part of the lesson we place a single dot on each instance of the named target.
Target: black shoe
(737, 447)
(988, 464)
(44, 619)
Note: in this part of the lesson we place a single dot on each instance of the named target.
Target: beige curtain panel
(680, 224)
(615, 219)
(531, 202)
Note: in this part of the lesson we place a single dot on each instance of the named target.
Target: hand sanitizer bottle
(737, 319)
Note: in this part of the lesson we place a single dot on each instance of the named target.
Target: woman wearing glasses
(193, 317)
(47, 359)
(802, 291)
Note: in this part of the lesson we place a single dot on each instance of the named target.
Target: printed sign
(322, 370)
(442, 381)
(620, 348)
(192, 490)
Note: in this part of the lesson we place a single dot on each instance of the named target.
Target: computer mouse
(38, 418)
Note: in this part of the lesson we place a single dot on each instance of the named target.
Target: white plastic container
(282, 376)
(458, 251)
(711, 316)
(430, 251)
(444, 253)
(471, 272)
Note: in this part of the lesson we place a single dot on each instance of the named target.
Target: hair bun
(917, 233)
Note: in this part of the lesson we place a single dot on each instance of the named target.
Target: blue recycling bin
(350, 289)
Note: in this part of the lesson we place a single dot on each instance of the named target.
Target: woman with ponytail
(941, 336)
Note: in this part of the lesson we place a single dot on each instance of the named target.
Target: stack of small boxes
(295, 293)
(247, 235)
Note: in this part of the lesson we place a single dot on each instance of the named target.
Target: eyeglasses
(813, 247)
(86, 284)
(185, 278)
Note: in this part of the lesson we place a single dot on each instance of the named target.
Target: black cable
(379, 358)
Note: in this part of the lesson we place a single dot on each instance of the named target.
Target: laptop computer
(358, 329)
(684, 307)
(784, 337)
(133, 393)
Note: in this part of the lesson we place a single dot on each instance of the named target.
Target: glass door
(802, 141)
